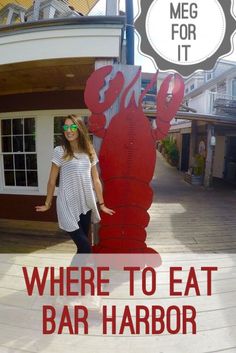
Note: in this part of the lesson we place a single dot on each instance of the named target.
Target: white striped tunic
(75, 193)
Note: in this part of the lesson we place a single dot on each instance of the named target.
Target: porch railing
(14, 13)
(221, 103)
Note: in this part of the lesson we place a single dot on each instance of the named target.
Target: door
(185, 152)
(230, 160)
(219, 158)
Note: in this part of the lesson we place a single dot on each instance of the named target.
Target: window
(58, 122)
(209, 76)
(18, 150)
(152, 90)
(234, 87)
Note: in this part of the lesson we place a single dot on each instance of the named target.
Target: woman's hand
(106, 210)
(50, 189)
(43, 208)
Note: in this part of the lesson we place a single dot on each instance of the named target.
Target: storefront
(44, 67)
(211, 139)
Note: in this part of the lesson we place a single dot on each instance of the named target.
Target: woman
(76, 161)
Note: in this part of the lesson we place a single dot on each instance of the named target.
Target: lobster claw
(94, 85)
(167, 105)
(96, 124)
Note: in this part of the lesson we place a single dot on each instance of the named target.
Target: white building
(211, 128)
(48, 50)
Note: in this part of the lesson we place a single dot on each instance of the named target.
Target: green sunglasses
(73, 127)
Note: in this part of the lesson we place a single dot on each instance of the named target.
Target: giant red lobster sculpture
(127, 156)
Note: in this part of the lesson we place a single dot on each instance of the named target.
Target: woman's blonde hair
(84, 143)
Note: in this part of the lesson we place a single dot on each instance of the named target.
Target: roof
(83, 6)
(219, 119)
(228, 120)
(230, 71)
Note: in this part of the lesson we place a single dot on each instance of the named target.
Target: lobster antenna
(122, 104)
(147, 88)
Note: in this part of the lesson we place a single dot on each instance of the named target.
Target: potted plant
(195, 174)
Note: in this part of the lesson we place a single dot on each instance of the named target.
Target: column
(112, 8)
(10, 16)
(36, 10)
(210, 156)
(193, 142)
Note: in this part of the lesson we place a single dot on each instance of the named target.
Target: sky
(146, 63)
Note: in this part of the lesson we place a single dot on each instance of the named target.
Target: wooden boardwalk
(189, 226)
(186, 218)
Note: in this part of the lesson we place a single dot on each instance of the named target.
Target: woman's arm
(50, 189)
(98, 189)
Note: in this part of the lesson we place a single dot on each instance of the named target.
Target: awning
(208, 118)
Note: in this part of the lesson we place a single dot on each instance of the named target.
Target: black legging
(80, 235)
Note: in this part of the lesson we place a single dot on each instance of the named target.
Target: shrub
(171, 150)
(173, 154)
